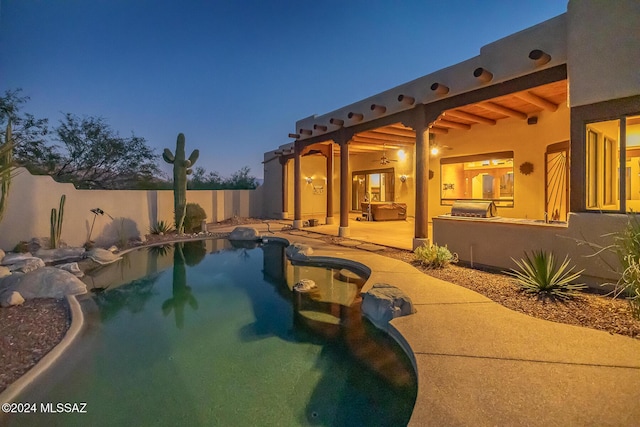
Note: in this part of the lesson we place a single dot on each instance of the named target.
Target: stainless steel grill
(474, 209)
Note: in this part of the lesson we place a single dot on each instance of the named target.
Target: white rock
(71, 267)
(298, 251)
(4, 272)
(113, 249)
(27, 264)
(11, 298)
(13, 257)
(2, 254)
(305, 285)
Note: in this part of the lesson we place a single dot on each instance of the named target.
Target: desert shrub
(434, 256)
(21, 247)
(627, 246)
(160, 227)
(193, 218)
(540, 274)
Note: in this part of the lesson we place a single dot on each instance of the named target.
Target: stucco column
(297, 186)
(285, 187)
(329, 219)
(422, 186)
(345, 180)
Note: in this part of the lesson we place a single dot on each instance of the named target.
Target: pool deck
(479, 363)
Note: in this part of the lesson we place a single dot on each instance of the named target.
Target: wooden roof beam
(454, 125)
(497, 108)
(437, 131)
(536, 100)
(468, 116)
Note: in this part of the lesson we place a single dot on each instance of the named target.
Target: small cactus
(56, 223)
(181, 168)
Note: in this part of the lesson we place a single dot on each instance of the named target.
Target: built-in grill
(473, 209)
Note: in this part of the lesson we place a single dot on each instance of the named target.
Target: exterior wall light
(309, 180)
(403, 178)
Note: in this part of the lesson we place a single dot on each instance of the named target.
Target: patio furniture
(389, 211)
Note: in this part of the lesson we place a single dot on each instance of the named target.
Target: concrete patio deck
(481, 364)
(395, 234)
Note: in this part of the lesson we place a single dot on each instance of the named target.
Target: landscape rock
(384, 302)
(2, 254)
(14, 257)
(305, 285)
(113, 249)
(37, 243)
(46, 282)
(71, 267)
(4, 271)
(102, 256)
(298, 251)
(244, 233)
(60, 254)
(27, 264)
(11, 298)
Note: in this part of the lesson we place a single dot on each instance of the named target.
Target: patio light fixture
(403, 178)
(309, 180)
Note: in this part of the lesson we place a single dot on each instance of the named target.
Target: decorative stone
(11, 298)
(60, 254)
(71, 267)
(305, 285)
(37, 243)
(4, 272)
(2, 254)
(244, 233)
(298, 251)
(384, 302)
(102, 256)
(114, 248)
(14, 257)
(46, 282)
(27, 264)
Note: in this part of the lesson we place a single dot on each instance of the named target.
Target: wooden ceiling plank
(450, 124)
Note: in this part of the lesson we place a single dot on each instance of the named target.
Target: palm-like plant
(540, 274)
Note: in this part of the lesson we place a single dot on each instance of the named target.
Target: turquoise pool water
(208, 334)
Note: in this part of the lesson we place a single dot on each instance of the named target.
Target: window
(603, 160)
(480, 177)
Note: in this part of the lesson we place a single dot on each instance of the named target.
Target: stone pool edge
(76, 316)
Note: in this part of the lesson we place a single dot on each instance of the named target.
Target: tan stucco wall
(528, 143)
(31, 199)
(603, 54)
(492, 243)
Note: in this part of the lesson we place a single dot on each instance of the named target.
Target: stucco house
(540, 123)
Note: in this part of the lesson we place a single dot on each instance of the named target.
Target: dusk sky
(234, 76)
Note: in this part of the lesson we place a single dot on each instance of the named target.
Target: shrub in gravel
(540, 274)
(627, 246)
(434, 256)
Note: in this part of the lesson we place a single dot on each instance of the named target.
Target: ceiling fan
(384, 160)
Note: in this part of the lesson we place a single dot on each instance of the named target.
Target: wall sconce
(403, 178)
(402, 155)
(309, 180)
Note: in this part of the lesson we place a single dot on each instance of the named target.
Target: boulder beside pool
(305, 286)
(298, 251)
(45, 282)
(244, 234)
(384, 302)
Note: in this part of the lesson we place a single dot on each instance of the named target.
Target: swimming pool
(209, 334)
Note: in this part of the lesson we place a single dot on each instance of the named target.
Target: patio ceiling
(520, 105)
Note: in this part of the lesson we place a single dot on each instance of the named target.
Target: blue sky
(234, 76)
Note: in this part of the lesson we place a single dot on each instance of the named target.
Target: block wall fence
(128, 212)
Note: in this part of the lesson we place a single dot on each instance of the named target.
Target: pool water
(207, 334)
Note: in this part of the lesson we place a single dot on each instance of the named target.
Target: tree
(30, 148)
(95, 156)
(239, 180)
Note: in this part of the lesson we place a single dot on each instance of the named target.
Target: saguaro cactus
(181, 168)
(56, 223)
(6, 160)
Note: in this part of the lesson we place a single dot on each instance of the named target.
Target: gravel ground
(31, 330)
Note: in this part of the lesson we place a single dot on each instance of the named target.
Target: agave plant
(540, 274)
(161, 227)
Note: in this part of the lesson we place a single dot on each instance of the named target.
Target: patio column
(297, 186)
(329, 219)
(345, 180)
(284, 161)
(422, 186)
